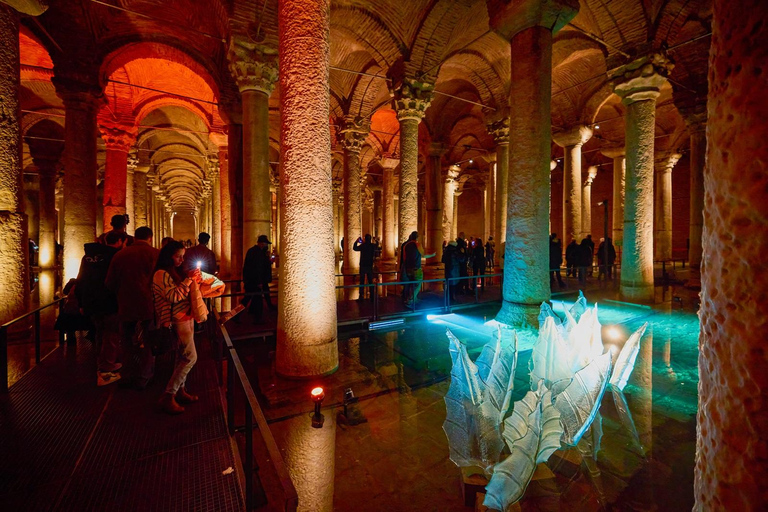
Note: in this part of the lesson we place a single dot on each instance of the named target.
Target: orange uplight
(318, 393)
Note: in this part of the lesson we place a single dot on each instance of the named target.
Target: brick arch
(365, 92)
(491, 85)
(146, 107)
(359, 25)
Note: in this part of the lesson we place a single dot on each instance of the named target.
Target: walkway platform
(68, 445)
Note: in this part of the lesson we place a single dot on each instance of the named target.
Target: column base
(642, 292)
(519, 316)
(14, 273)
(307, 361)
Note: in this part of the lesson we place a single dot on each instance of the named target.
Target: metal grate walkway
(68, 445)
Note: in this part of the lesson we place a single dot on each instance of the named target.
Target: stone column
(118, 139)
(638, 83)
(79, 164)
(140, 197)
(225, 254)
(586, 202)
(695, 116)
(338, 217)
(412, 99)
(619, 171)
(434, 204)
(731, 466)
(306, 335)
(254, 67)
(455, 212)
(572, 140)
(130, 191)
(388, 190)
(449, 201)
(352, 138)
(663, 206)
(235, 192)
(213, 174)
(377, 215)
(528, 25)
(500, 132)
(490, 196)
(45, 156)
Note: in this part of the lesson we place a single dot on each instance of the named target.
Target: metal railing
(286, 499)
(4, 340)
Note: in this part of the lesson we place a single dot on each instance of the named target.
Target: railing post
(248, 456)
(4, 360)
(230, 393)
(37, 337)
(375, 301)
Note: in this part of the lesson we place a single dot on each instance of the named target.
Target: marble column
(338, 217)
(352, 138)
(213, 172)
(140, 196)
(571, 141)
(225, 254)
(731, 466)
(529, 26)
(619, 172)
(663, 206)
(434, 204)
(81, 102)
(118, 139)
(695, 117)
(388, 191)
(449, 192)
(130, 192)
(235, 190)
(45, 155)
(411, 101)
(254, 67)
(490, 197)
(500, 132)
(637, 84)
(586, 202)
(377, 214)
(306, 334)
(455, 213)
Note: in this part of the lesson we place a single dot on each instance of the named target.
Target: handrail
(4, 341)
(253, 410)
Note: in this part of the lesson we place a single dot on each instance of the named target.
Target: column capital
(353, 133)
(508, 18)
(118, 135)
(253, 66)
(77, 83)
(614, 151)
(552, 165)
(389, 164)
(642, 78)
(133, 162)
(219, 139)
(591, 174)
(437, 149)
(30, 7)
(499, 130)
(451, 173)
(665, 161)
(412, 98)
(574, 136)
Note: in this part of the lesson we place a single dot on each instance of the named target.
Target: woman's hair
(165, 260)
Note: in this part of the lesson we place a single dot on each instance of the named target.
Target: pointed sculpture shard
(625, 416)
(550, 358)
(626, 360)
(580, 401)
(464, 369)
(551, 429)
(579, 307)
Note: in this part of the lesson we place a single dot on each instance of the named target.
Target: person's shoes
(183, 397)
(168, 404)
(106, 378)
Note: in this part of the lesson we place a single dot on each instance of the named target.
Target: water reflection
(310, 455)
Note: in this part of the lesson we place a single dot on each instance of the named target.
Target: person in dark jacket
(463, 251)
(99, 303)
(490, 252)
(571, 255)
(367, 252)
(200, 256)
(606, 248)
(119, 224)
(591, 254)
(478, 262)
(130, 279)
(257, 274)
(555, 260)
(584, 260)
(451, 261)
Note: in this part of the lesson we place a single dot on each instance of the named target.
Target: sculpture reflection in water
(570, 372)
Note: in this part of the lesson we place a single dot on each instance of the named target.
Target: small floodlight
(613, 333)
(597, 127)
(471, 161)
(318, 394)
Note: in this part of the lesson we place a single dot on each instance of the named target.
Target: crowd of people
(579, 259)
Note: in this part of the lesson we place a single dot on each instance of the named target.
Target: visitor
(584, 260)
(606, 249)
(118, 223)
(555, 260)
(478, 262)
(571, 255)
(591, 244)
(490, 251)
(451, 261)
(165, 241)
(410, 267)
(464, 253)
(200, 256)
(171, 296)
(130, 278)
(367, 252)
(257, 274)
(100, 305)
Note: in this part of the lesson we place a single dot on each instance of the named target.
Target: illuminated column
(130, 192)
(14, 249)
(352, 137)
(586, 202)
(663, 206)
(225, 207)
(306, 334)
(731, 467)
(118, 139)
(254, 67)
(81, 102)
(490, 197)
(434, 203)
(140, 197)
(235, 192)
(500, 132)
(552, 167)
(412, 99)
(338, 217)
(150, 205)
(572, 140)
(638, 83)
(388, 238)
(619, 171)
(45, 156)
(213, 173)
(377, 215)
(528, 25)
(449, 201)
(455, 212)
(695, 115)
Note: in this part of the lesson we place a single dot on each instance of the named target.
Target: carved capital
(552, 165)
(665, 162)
(389, 164)
(336, 184)
(451, 173)
(614, 151)
(437, 150)
(253, 66)
(499, 130)
(118, 136)
(77, 83)
(352, 136)
(412, 99)
(574, 136)
(642, 78)
(591, 174)
(133, 162)
(509, 18)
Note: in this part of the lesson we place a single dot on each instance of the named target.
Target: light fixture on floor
(352, 415)
(385, 324)
(317, 396)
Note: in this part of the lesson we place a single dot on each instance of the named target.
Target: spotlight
(471, 161)
(317, 396)
(613, 333)
(597, 127)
